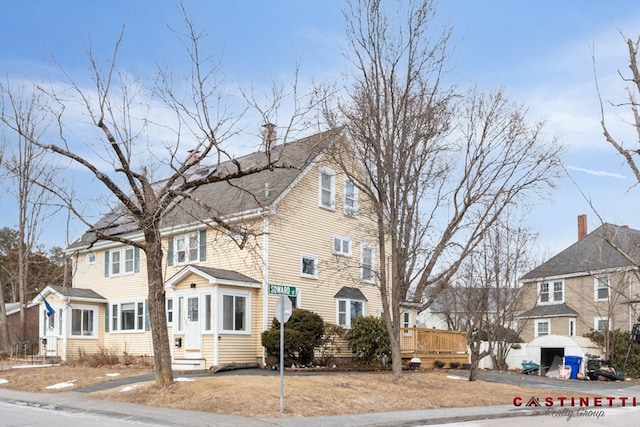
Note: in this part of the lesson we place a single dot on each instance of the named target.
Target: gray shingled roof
(219, 273)
(77, 292)
(596, 251)
(226, 198)
(553, 310)
(350, 293)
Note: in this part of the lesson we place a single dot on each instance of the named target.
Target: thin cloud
(597, 173)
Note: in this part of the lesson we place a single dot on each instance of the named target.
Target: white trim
(315, 266)
(350, 212)
(93, 308)
(596, 284)
(323, 170)
(247, 318)
(87, 258)
(189, 269)
(348, 302)
(572, 327)
(363, 246)
(536, 323)
(551, 292)
(597, 320)
(342, 239)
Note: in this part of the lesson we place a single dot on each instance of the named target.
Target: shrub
(368, 339)
(620, 346)
(328, 349)
(302, 334)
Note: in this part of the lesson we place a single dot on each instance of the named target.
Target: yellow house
(307, 229)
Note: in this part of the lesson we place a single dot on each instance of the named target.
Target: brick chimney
(582, 226)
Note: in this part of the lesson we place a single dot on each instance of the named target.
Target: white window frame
(247, 312)
(169, 310)
(347, 312)
(93, 333)
(572, 327)
(598, 285)
(537, 327)
(371, 269)
(340, 241)
(139, 316)
(350, 204)
(191, 248)
(596, 323)
(90, 258)
(126, 265)
(331, 174)
(296, 300)
(551, 292)
(313, 258)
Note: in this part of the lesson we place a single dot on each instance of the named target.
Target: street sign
(283, 290)
(283, 308)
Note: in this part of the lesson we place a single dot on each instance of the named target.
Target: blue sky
(538, 51)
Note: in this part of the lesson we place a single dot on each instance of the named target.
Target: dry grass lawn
(259, 395)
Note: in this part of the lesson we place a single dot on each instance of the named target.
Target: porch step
(188, 365)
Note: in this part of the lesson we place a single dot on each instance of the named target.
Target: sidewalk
(77, 401)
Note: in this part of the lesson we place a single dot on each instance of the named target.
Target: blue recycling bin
(574, 362)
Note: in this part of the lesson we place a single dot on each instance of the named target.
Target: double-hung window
(83, 322)
(367, 266)
(543, 327)
(187, 248)
(350, 198)
(128, 316)
(122, 261)
(341, 245)
(348, 310)
(327, 188)
(601, 291)
(551, 292)
(601, 324)
(235, 313)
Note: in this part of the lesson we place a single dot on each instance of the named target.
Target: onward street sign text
(282, 290)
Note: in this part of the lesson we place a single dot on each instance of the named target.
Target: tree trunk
(5, 345)
(157, 314)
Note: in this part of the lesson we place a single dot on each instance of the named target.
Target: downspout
(265, 278)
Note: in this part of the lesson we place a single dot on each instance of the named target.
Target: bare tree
(30, 172)
(486, 292)
(438, 184)
(631, 151)
(202, 123)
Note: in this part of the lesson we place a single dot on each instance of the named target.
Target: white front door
(193, 331)
(50, 334)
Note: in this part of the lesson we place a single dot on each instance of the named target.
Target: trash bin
(574, 362)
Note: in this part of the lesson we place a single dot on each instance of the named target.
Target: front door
(193, 332)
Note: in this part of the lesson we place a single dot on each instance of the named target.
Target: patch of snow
(182, 379)
(453, 377)
(3, 381)
(128, 388)
(115, 374)
(62, 385)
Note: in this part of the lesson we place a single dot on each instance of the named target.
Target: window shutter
(136, 259)
(106, 264)
(170, 252)
(106, 317)
(146, 316)
(203, 245)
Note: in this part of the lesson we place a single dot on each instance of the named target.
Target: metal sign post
(283, 312)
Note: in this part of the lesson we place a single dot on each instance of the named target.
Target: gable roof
(597, 251)
(235, 197)
(74, 294)
(213, 276)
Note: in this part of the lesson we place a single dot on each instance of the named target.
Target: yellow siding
(299, 226)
